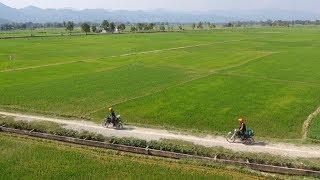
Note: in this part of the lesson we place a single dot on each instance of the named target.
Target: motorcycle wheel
(119, 126)
(231, 138)
(104, 124)
(249, 141)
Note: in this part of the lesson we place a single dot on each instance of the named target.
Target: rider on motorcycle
(112, 115)
(242, 128)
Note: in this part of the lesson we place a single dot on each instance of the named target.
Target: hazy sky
(198, 5)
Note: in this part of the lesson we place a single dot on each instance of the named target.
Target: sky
(176, 5)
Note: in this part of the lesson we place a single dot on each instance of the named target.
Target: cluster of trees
(202, 25)
(69, 26)
(111, 26)
(272, 23)
(27, 25)
(107, 26)
(158, 26)
(139, 27)
(143, 27)
(31, 25)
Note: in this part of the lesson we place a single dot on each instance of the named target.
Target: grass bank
(33, 158)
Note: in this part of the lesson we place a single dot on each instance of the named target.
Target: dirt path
(307, 122)
(156, 134)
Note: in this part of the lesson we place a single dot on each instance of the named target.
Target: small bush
(91, 136)
(129, 142)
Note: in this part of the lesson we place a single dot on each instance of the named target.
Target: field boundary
(174, 48)
(165, 154)
(121, 55)
(272, 79)
(40, 66)
(308, 121)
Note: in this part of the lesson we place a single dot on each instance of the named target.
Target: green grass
(30, 158)
(314, 132)
(268, 75)
(298, 64)
(39, 51)
(81, 94)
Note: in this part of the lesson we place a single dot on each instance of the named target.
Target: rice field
(30, 158)
(38, 32)
(192, 80)
(315, 129)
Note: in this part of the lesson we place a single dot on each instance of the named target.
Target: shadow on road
(258, 143)
(127, 129)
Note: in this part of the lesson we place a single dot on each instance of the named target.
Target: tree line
(202, 25)
(87, 27)
(111, 27)
(105, 26)
(281, 23)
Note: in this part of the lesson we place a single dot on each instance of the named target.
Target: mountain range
(35, 14)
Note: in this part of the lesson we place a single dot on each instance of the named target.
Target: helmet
(241, 120)
(110, 109)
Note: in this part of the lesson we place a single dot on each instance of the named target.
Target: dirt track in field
(282, 149)
(307, 122)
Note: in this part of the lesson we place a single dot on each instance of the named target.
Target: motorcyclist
(242, 128)
(112, 115)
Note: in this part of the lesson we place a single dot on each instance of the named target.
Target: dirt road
(283, 149)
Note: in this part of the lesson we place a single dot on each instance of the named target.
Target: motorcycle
(247, 138)
(115, 123)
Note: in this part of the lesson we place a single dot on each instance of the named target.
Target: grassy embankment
(24, 157)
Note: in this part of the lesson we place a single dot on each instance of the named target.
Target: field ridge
(272, 79)
(308, 121)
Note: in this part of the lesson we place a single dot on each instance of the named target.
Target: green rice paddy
(195, 80)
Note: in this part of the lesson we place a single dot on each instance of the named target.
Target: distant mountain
(272, 14)
(9, 13)
(35, 14)
(3, 21)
